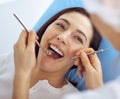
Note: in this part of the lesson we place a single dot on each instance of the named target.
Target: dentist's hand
(92, 67)
(25, 62)
(107, 31)
(24, 53)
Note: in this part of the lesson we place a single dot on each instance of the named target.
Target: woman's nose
(63, 38)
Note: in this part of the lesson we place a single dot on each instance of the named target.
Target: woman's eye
(78, 38)
(60, 25)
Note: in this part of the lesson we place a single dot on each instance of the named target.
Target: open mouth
(54, 52)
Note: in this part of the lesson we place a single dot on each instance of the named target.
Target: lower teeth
(49, 52)
(52, 54)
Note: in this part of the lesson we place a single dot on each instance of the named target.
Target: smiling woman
(68, 33)
(96, 38)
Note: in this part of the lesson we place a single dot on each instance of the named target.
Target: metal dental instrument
(90, 53)
(28, 32)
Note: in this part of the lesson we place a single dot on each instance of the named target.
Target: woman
(67, 34)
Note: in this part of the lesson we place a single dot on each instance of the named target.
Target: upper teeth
(56, 49)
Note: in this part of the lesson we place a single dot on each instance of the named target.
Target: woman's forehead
(77, 19)
(75, 16)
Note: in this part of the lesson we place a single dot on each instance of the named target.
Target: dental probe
(27, 31)
(90, 53)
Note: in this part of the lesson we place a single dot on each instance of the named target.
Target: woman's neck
(55, 79)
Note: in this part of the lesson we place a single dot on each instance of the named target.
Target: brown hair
(96, 37)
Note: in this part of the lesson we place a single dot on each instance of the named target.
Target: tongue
(53, 54)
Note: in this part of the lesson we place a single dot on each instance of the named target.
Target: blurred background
(29, 12)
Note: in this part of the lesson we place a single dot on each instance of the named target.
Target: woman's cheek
(51, 33)
(76, 48)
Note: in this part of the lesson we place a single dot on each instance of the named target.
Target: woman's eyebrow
(79, 31)
(66, 21)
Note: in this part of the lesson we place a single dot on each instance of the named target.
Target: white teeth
(49, 52)
(56, 49)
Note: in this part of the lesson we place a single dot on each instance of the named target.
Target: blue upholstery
(56, 6)
(108, 58)
(110, 61)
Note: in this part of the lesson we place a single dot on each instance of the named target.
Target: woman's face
(70, 33)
